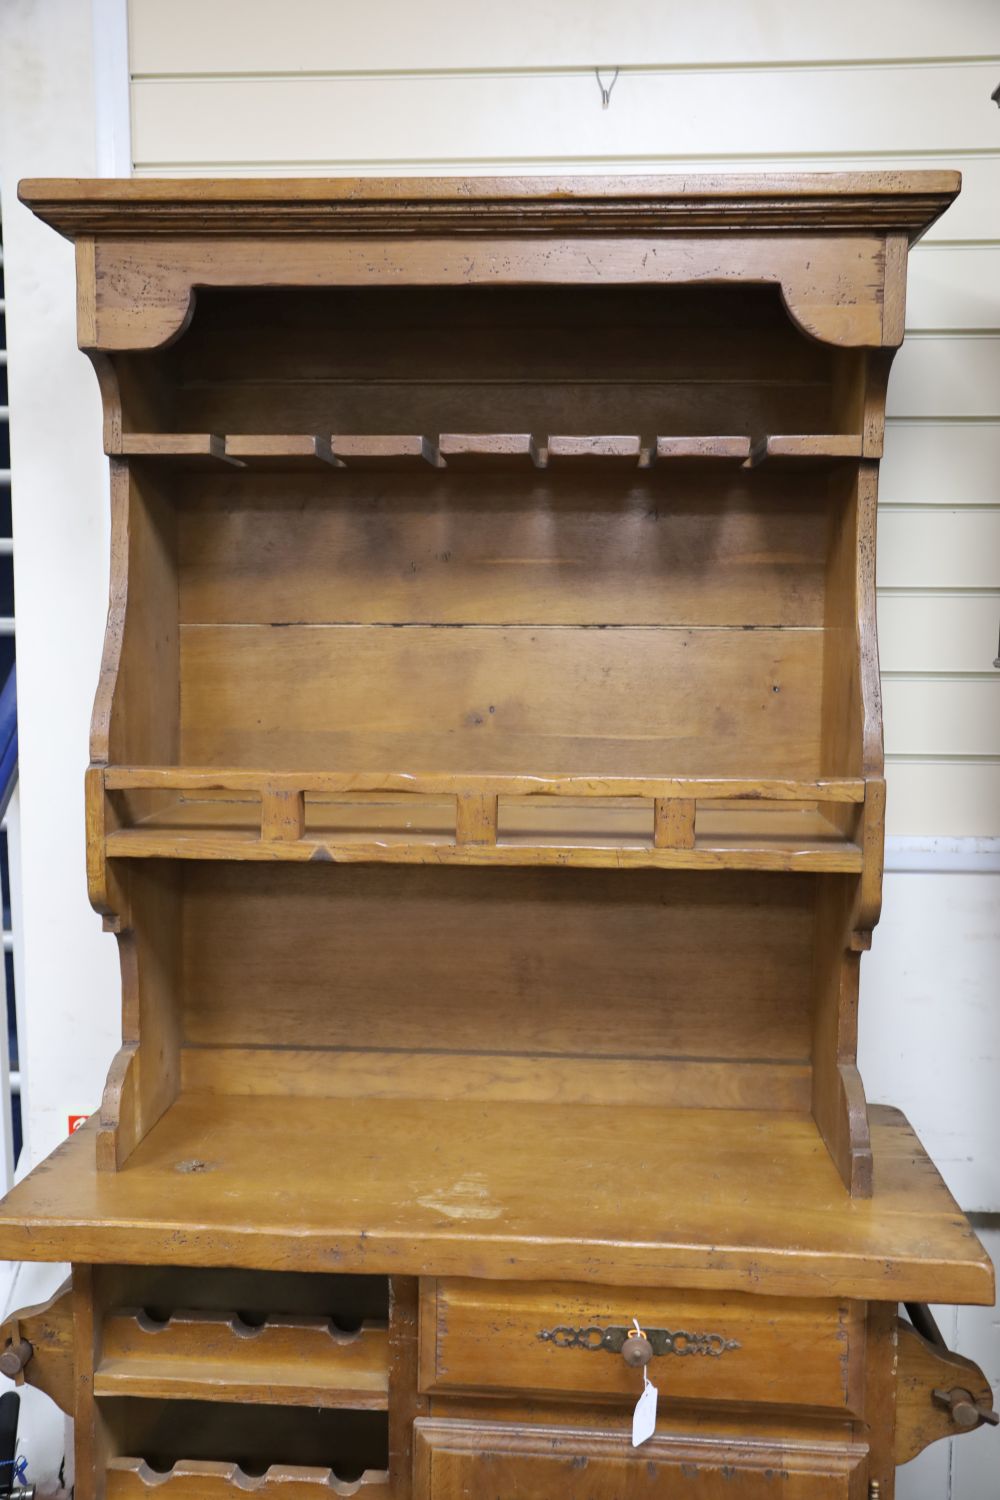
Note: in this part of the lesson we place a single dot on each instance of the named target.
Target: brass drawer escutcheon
(663, 1340)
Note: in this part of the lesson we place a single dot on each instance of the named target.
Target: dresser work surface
(487, 798)
(668, 1197)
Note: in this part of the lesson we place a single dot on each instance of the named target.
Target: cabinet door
(457, 1459)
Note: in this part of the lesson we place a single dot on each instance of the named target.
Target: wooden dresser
(487, 797)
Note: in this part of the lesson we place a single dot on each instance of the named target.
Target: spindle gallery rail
(476, 833)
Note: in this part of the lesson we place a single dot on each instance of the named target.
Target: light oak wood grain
(692, 1219)
(487, 797)
(204, 1479)
(278, 1450)
(504, 962)
(923, 1369)
(303, 698)
(741, 548)
(833, 291)
(454, 1459)
(44, 1334)
(485, 1337)
(204, 1356)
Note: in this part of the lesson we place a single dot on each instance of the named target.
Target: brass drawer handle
(660, 1340)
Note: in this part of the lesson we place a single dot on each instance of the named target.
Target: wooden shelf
(599, 452)
(806, 449)
(286, 1361)
(391, 452)
(280, 451)
(483, 451)
(714, 1198)
(489, 450)
(701, 451)
(670, 823)
(194, 1479)
(194, 1451)
(189, 450)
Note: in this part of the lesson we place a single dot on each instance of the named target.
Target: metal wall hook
(605, 92)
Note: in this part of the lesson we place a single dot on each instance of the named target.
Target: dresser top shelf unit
(487, 797)
(489, 714)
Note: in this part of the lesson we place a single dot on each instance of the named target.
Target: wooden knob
(637, 1351)
(14, 1358)
(965, 1411)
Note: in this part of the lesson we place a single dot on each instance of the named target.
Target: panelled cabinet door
(457, 1459)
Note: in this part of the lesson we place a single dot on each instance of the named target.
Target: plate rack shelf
(482, 450)
(677, 823)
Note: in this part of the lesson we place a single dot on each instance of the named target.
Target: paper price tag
(644, 1416)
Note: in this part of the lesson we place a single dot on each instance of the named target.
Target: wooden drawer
(454, 1460)
(508, 1337)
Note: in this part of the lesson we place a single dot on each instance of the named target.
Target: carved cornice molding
(835, 202)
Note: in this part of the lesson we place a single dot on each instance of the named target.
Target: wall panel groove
(663, 113)
(240, 35)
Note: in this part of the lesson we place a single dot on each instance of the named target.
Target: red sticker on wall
(75, 1122)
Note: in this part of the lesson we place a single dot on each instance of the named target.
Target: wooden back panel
(489, 359)
(293, 587)
(541, 965)
(254, 1295)
(729, 547)
(522, 698)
